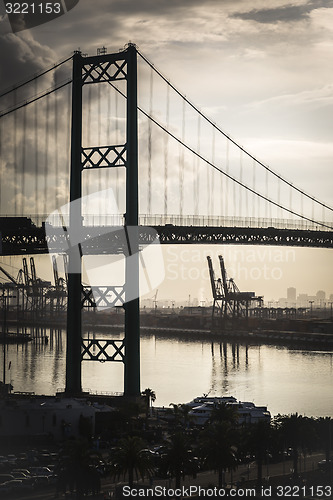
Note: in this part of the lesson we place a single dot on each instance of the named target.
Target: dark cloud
(288, 13)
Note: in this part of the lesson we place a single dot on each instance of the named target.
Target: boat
(248, 413)
(14, 338)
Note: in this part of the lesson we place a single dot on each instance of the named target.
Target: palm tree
(77, 467)
(324, 426)
(150, 397)
(258, 439)
(224, 413)
(297, 433)
(131, 458)
(178, 456)
(219, 445)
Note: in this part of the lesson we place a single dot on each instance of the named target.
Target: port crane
(228, 300)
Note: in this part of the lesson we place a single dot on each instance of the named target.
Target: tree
(298, 433)
(77, 468)
(224, 413)
(258, 439)
(324, 426)
(131, 458)
(218, 446)
(177, 457)
(150, 397)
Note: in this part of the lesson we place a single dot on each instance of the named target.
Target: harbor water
(287, 380)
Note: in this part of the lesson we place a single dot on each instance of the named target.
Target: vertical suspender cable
(208, 188)
(99, 144)
(253, 187)
(1, 164)
(234, 188)
(108, 133)
(166, 145)
(246, 203)
(211, 194)
(68, 132)
(279, 196)
(56, 139)
(259, 200)
(181, 170)
(225, 196)
(266, 192)
(15, 156)
(241, 180)
(150, 139)
(197, 171)
(117, 142)
(85, 185)
(46, 166)
(36, 150)
(24, 137)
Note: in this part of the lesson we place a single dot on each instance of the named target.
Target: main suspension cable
(230, 138)
(12, 89)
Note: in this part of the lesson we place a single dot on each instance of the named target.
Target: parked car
(324, 465)
(6, 477)
(40, 471)
(41, 480)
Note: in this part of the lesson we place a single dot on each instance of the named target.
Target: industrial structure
(228, 301)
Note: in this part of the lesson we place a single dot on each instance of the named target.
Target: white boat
(202, 409)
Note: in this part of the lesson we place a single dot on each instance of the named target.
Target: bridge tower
(95, 70)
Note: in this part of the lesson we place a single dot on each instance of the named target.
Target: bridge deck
(100, 240)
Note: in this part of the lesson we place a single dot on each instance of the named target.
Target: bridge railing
(183, 221)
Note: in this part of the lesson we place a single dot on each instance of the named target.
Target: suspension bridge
(89, 124)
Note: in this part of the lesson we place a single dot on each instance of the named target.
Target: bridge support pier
(89, 70)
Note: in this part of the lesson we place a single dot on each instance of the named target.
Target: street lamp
(4, 331)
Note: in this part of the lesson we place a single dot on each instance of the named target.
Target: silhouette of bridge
(18, 240)
(162, 154)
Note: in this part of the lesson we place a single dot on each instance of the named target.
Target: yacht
(202, 409)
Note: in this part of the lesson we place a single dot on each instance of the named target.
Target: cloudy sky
(260, 69)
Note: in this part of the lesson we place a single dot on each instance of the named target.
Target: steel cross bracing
(108, 68)
(103, 350)
(103, 296)
(34, 241)
(106, 156)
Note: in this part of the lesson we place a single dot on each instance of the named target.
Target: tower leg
(132, 311)
(73, 350)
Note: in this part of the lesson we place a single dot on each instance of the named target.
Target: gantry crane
(229, 301)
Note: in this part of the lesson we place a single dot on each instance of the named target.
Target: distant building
(291, 295)
(320, 297)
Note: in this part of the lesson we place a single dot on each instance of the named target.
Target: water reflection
(177, 369)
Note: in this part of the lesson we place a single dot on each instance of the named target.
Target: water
(286, 380)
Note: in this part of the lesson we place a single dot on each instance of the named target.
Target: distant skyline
(261, 72)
